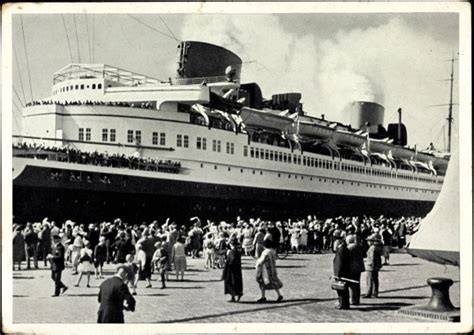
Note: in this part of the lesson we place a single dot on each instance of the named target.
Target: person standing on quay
(18, 246)
(373, 264)
(356, 267)
(178, 255)
(57, 266)
(112, 294)
(232, 274)
(267, 276)
(341, 270)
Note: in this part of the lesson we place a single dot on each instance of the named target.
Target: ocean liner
(112, 143)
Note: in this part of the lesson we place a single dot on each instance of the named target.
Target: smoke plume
(395, 63)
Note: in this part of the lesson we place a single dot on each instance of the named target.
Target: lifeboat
(348, 138)
(315, 128)
(262, 119)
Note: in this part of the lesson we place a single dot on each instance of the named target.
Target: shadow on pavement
(183, 287)
(23, 277)
(403, 264)
(407, 297)
(199, 281)
(153, 295)
(19, 296)
(265, 306)
(388, 306)
(81, 295)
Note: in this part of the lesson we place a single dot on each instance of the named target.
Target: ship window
(232, 148)
(252, 152)
(138, 136)
(76, 87)
(198, 143)
(266, 154)
(245, 151)
(271, 155)
(154, 138)
(280, 156)
(105, 134)
(87, 86)
(179, 140)
(67, 88)
(299, 160)
(186, 141)
(88, 134)
(227, 147)
(130, 136)
(257, 153)
(163, 139)
(112, 135)
(228, 169)
(218, 146)
(215, 167)
(93, 86)
(82, 86)
(81, 134)
(99, 86)
(262, 154)
(261, 172)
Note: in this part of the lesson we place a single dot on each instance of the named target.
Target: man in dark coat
(57, 266)
(356, 267)
(341, 266)
(275, 232)
(113, 293)
(122, 248)
(232, 273)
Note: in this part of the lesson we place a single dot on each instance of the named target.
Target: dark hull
(137, 199)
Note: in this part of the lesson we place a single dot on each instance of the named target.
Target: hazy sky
(398, 60)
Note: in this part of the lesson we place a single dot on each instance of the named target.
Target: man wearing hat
(373, 264)
(57, 266)
(113, 293)
(341, 267)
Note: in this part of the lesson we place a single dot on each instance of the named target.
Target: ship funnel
(366, 114)
(203, 62)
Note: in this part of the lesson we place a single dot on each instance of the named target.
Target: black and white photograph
(224, 167)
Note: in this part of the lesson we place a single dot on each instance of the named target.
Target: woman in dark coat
(232, 273)
(18, 247)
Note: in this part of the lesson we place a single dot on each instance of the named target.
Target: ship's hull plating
(138, 199)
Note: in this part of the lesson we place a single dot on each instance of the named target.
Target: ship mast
(450, 114)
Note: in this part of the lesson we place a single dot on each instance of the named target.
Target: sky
(395, 59)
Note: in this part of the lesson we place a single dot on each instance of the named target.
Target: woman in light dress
(247, 243)
(85, 266)
(266, 274)
(178, 255)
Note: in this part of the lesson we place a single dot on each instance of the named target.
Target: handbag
(339, 285)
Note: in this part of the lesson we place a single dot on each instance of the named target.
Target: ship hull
(139, 199)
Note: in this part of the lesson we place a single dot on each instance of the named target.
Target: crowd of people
(73, 155)
(142, 250)
(147, 104)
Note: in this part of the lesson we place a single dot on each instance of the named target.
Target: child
(209, 251)
(132, 270)
(160, 259)
(100, 255)
(85, 263)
